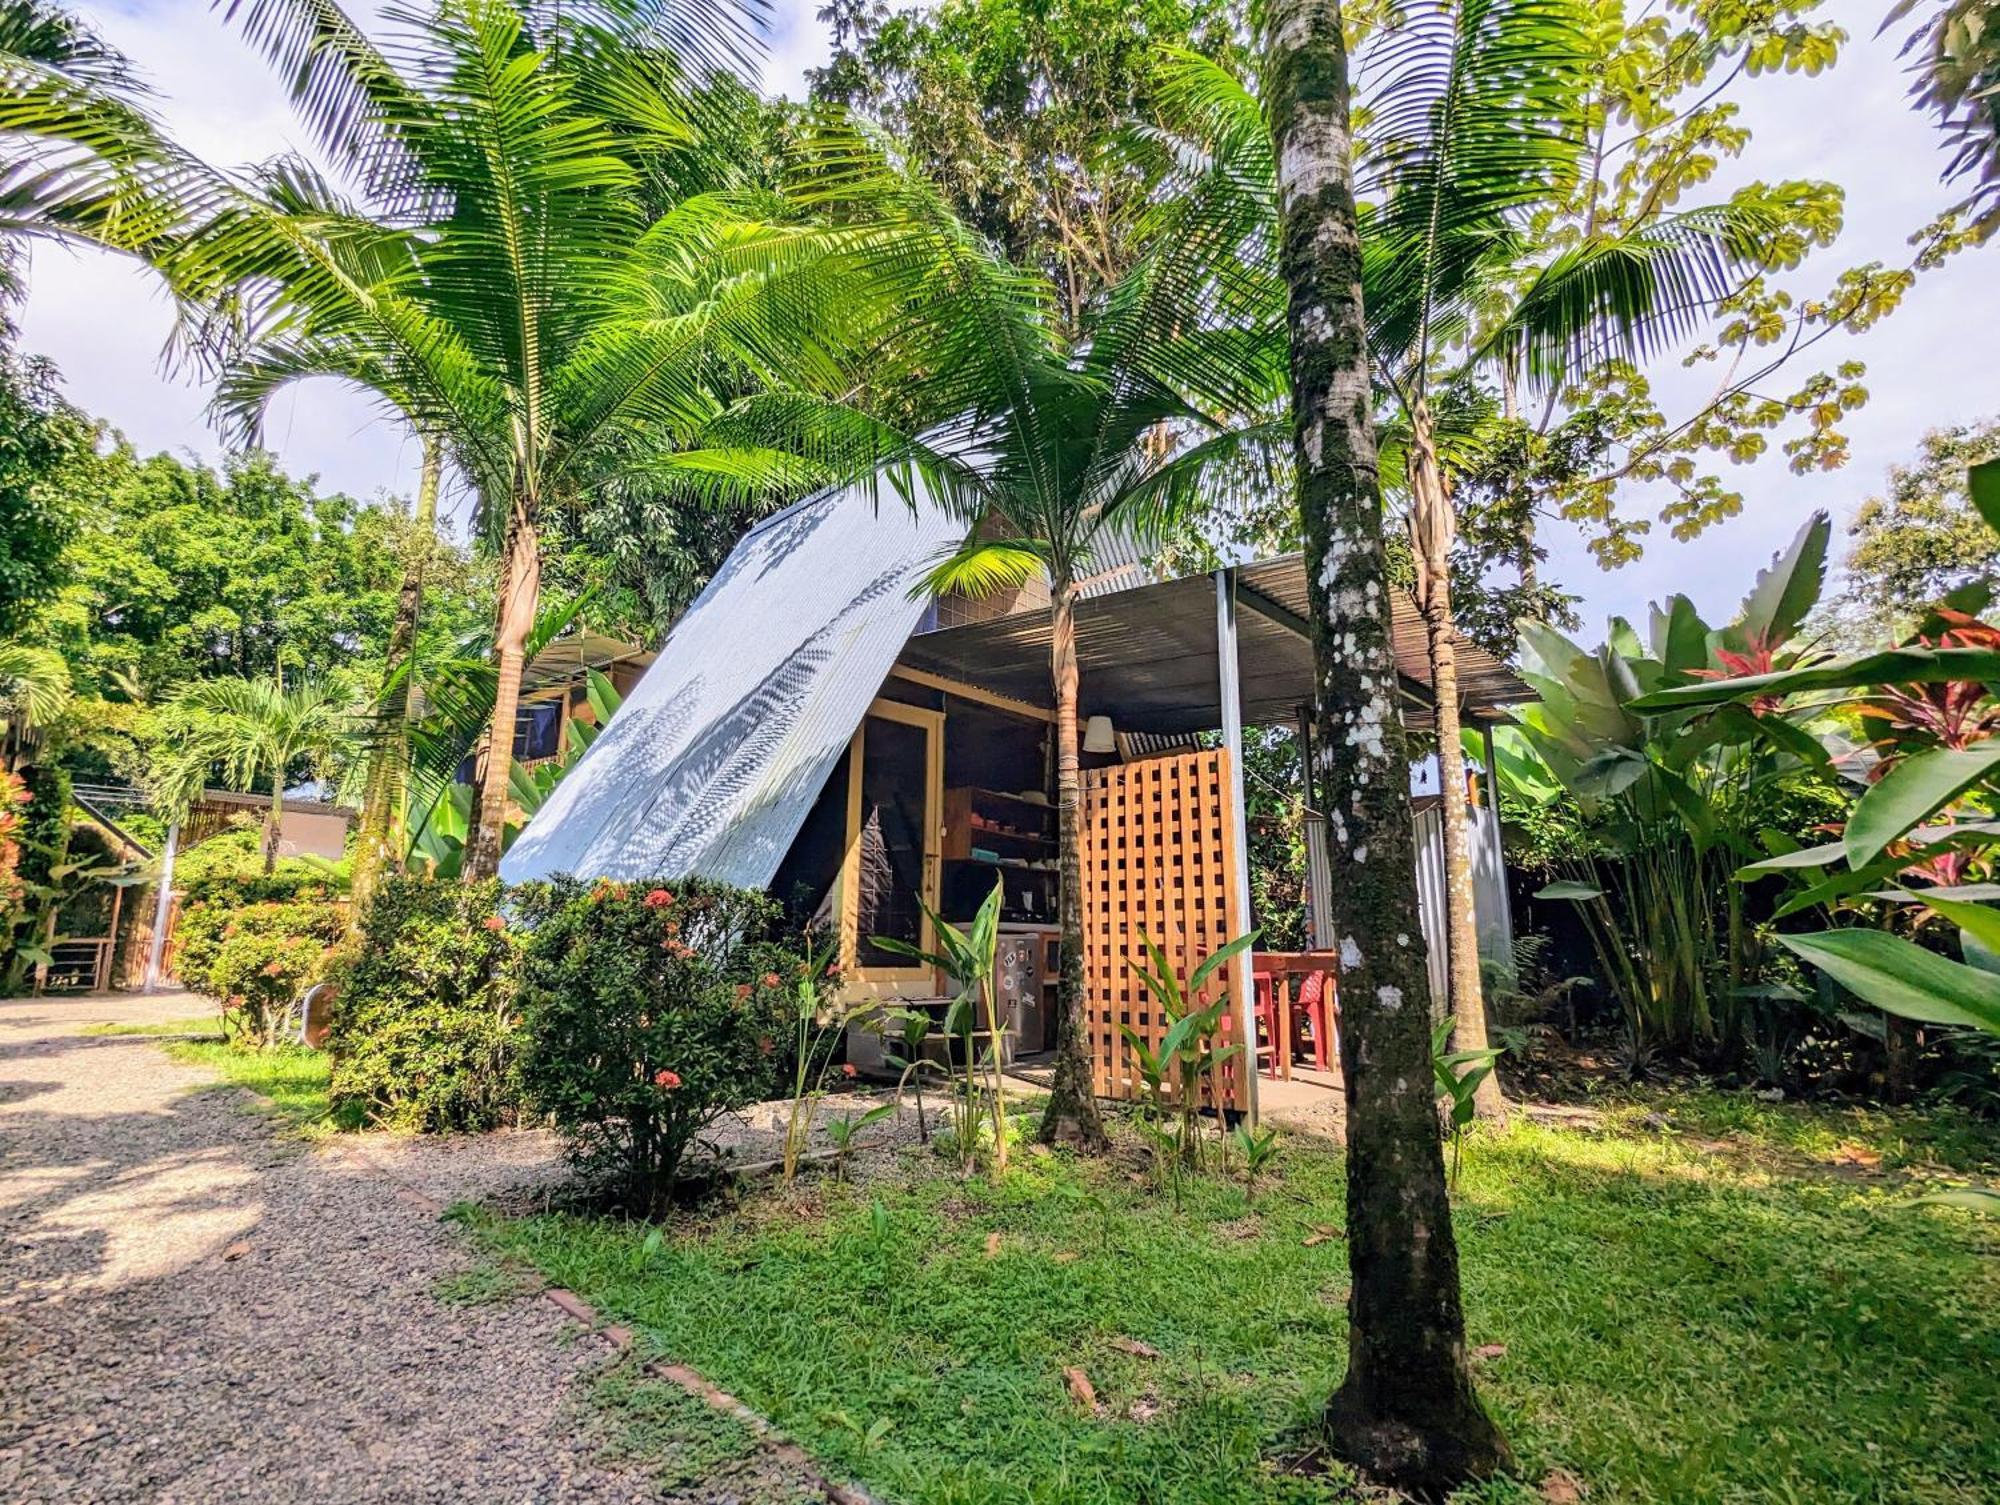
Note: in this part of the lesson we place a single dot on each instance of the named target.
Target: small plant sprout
(967, 958)
(819, 1023)
(1458, 1073)
(1258, 1147)
(911, 1028)
(845, 1132)
(1187, 1054)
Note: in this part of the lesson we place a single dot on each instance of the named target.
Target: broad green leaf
(1894, 666)
(1219, 958)
(1978, 929)
(1983, 480)
(1786, 589)
(1567, 888)
(1913, 791)
(1902, 978)
(1971, 1198)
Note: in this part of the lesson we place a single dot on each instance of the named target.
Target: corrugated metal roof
(713, 761)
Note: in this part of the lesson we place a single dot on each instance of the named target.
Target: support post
(156, 943)
(1318, 872)
(1231, 693)
(1492, 792)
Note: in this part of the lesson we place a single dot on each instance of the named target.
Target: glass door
(895, 814)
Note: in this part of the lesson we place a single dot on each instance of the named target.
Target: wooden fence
(1159, 862)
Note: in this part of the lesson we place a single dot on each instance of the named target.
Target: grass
(1716, 1303)
(291, 1079)
(205, 1024)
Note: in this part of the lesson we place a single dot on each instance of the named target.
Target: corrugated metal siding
(1491, 917)
(714, 759)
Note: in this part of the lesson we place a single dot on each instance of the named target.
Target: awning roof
(1148, 654)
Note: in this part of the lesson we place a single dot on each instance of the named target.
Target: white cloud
(1930, 364)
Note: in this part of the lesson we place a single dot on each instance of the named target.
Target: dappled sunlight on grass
(291, 1079)
(1675, 1323)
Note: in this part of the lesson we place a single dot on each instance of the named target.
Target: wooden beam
(964, 691)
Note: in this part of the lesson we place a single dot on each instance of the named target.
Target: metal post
(1318, 870)
(1231, 694)
(1493, 825)
(156, 944)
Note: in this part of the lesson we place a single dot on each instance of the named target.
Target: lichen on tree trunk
(1406, 1412)
(514, 619)
(1071, 1117)
(1431, 533)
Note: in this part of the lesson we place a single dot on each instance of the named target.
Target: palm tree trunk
(514, 619)
(274, 819)
(375, 852)
(1431, 530)
(1406, 1412)
(1071, 1117)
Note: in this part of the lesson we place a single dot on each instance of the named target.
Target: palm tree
(536, 267)
(1476, 119)
(34, 688)
(1050, 443)
(389, 754)
(249, 729)
(1406, 1412)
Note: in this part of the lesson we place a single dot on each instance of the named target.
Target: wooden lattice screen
(1158, 858)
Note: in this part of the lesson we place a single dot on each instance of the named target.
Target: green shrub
(648, 1010)
(421, 1025)
(256, 959)
(232, 866)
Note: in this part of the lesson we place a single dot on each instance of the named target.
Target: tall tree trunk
(274, 820)
(1406, 1412)
(514, 619)
(375, 852)
(1071, 1117)
(1432, 528)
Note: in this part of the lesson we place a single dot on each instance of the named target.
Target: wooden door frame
(913, 980)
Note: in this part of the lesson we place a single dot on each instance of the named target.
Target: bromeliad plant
(1187, 1055)
(967, 958)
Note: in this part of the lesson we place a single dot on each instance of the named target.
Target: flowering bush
(422, 1028)
(13, 795)
(255, 960)
(648, 1010)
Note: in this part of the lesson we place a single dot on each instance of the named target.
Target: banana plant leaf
(1902, 978)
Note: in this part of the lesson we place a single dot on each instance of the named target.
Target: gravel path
(195, 1309)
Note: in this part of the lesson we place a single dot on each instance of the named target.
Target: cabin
(817, 726)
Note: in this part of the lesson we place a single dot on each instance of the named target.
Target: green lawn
(291, 1078)
(1737, 1306)
(204, 1024)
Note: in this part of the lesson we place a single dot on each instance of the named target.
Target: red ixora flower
(274, 969)
(659, 898)
(770, 979)
(666, 1081)
(494, 923)
(743, 990)
(849, 1071)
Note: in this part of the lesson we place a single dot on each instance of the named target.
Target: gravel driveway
(196, 1309)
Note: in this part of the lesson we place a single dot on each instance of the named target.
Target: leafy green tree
(1007, 104)
(42, 439)
(1050, 440)
(1406, 1412)
(250, 729)
(531, 267)
(1919, 539)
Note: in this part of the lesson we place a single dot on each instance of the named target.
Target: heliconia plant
(1671, 799)
(1924, 833)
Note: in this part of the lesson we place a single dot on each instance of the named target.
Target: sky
(1930, 365)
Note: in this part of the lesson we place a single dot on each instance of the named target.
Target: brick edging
(622, 1339)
